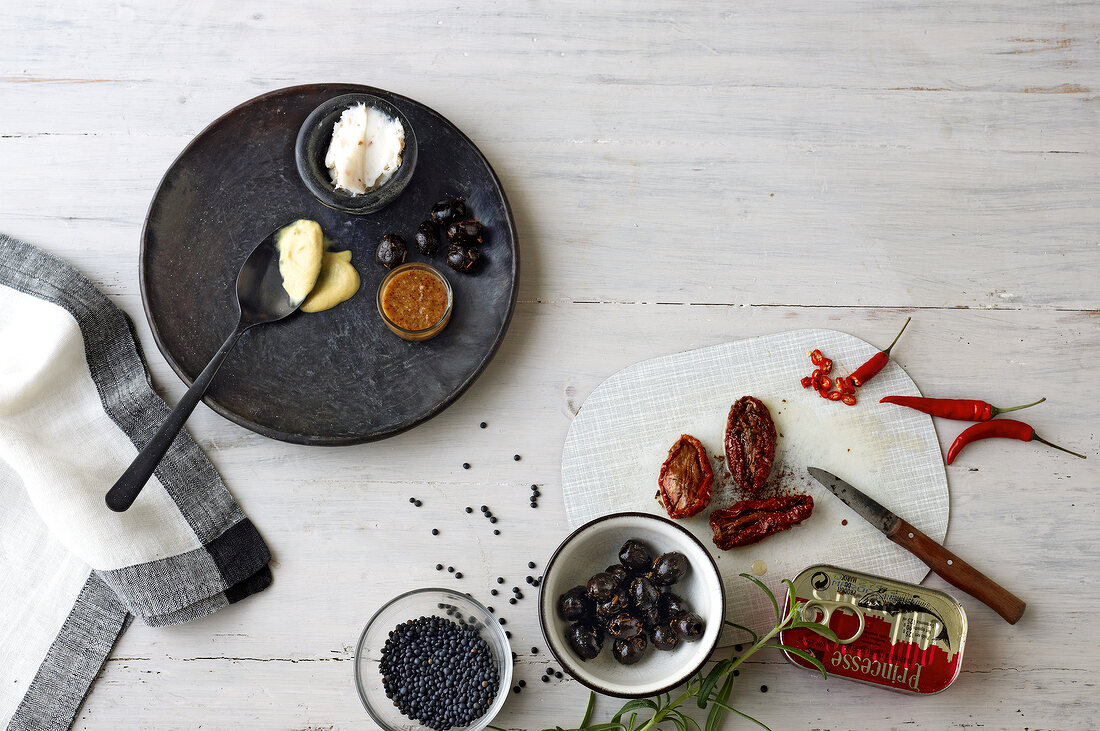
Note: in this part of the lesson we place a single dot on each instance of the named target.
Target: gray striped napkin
(75, 407)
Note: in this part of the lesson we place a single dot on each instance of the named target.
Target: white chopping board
(622, 433)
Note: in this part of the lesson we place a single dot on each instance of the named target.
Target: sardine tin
(892, 634)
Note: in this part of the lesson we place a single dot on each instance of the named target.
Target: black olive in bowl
(628, 652)
(574, 605)
(635, 556)
(669, 567)
(585, 639)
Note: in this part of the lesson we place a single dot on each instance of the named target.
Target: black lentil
(515, 689)
(523, 683)
(512, 600)
(557, 674)
(485, 508)
(439, 673)
(500, 579)
(492, 519)
(536, 494)
(418, 503)
(534, 650)
(412, 500)
(534, 487)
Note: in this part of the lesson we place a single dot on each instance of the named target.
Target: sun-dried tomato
(685, 479)
(750, 443)
(752, 520)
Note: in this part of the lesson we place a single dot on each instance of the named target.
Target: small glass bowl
(428, 332)
(425, 603)
(312, 144)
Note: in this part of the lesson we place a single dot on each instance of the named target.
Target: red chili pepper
(816, 356)
(826, 365)
(999, 429)
(835, 395)
(876, 362)
(826, 382)
(954, 408)
(848, 399)
(807, 381)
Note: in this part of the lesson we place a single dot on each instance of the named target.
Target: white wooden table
(680, 177)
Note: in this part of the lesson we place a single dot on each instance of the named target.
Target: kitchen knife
(950, 567)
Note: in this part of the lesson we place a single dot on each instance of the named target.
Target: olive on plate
(574, 605)
(391, 251)
(624, 626)
(664, 637)
(585, 639)
(462, 258)
(446, 211)
(629, 651)
(688, 626)
(669, 568)
(643, 593)
(622, 576)
(427, 238)
(635, 556)
(601, 586)
(467, 233)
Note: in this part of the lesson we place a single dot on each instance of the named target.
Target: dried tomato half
(750, 521)
(750, 443)
(686, 478)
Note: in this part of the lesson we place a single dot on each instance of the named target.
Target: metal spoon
(260, 299)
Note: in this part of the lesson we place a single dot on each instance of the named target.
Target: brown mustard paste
(415, 300)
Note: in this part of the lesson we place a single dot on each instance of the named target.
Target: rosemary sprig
(712, 690)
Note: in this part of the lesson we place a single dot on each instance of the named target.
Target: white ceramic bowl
(595, 546)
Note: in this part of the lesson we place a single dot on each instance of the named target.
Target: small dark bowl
(312, 144)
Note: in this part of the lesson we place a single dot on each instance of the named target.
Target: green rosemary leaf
(588, 711)
(743, 715)
(792, 599)
(815, 627)
(805, 656)
(743, 628)
(771, 597)
(633, 720)
(714, 717)
(633, 706)
(716, 674)
(606, 727)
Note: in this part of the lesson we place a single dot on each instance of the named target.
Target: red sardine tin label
(892, 634)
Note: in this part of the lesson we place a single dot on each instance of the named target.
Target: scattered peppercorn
(500, 579)
(412, 500)
(494, 592)
(483, 425)
(485, 508)
(516, 457)
(534, 650)
(557, 674)
(530, 565)
(458, 575)
(435, 531)
(450, 569)
(439, 567)
(469, 510)
(492, 519)
(523, 683)
(546, 678)
(496, 532)
(763, 689)
(465, 465)
(512, 600)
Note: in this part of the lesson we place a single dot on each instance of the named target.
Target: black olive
(575, 605)
(585, 639)
(624, 626)
(669, 567)
(670, 605)
(467, 233)
(601, 586)
(664, 637)
(427, 238)
(688, 625)
(650, 617)
(615, 603)
(391, 251)
(446, 211)
(635, 556)
(622, 577)
(628, 652)
(462, 258)
(643, 593)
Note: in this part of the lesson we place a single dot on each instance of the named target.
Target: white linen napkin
(75, 407)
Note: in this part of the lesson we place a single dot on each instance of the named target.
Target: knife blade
(945, 564)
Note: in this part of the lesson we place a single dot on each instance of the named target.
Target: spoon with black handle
(260, 299)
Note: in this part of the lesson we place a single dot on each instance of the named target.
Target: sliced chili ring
(826, 382)
(816, 356)
(835, 395)
(807, 382)
(849, 399)
(826, 365)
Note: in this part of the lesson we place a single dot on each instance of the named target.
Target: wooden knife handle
(957, 572)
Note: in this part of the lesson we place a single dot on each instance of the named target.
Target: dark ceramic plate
(335, 377)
